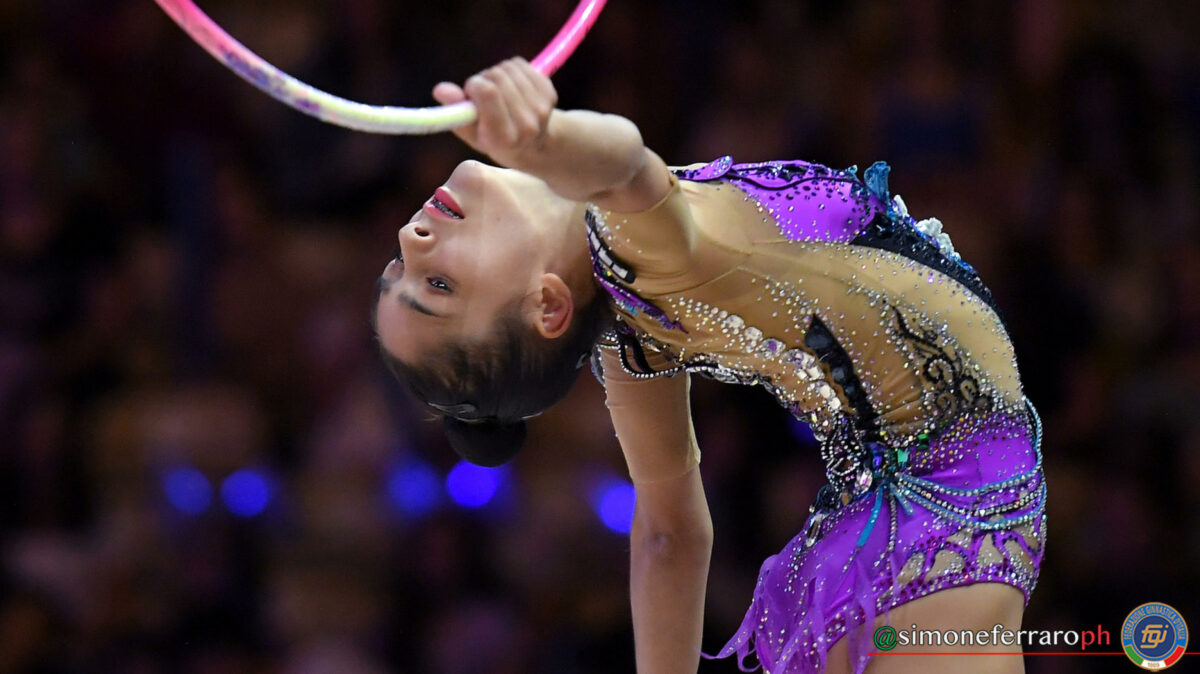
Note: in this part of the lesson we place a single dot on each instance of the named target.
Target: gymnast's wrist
(582, 153)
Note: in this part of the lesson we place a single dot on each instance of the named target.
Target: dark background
(187, 268)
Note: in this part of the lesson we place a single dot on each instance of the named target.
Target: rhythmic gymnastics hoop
(351, 114)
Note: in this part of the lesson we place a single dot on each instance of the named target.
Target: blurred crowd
(187, 270)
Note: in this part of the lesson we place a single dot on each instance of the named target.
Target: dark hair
(486, 390)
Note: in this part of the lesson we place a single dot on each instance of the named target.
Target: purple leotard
(867, 324)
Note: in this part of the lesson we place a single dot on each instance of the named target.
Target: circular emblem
(1154, 636)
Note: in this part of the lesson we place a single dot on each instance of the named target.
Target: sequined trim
(904, 239)
(614, 275)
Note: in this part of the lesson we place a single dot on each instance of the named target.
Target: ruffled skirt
(971, 509)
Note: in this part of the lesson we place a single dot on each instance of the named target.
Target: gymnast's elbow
(677, 537)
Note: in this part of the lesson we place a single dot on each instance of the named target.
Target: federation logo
(1154, 636)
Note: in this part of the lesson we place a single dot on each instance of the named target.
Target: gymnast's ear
(555, 307)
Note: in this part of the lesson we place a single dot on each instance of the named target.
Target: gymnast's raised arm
(582, 155)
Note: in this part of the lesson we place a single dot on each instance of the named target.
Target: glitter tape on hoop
(350, 114)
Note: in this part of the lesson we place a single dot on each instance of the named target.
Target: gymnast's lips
(442, 204)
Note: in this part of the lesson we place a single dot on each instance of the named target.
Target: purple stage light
(614, 502)
(472, 486)
(187, 489)
(414, 489)
(246, 493)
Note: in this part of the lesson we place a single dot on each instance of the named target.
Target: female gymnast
(809, 281)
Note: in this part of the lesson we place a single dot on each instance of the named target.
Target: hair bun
(487, 443)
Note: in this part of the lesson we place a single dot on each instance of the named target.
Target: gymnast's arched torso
(866, 323)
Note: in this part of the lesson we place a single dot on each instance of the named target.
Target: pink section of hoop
(568, 37)
(351, 114)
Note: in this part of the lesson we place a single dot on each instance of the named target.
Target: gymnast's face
(490, 240)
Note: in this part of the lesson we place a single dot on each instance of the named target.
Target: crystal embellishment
(771, 347)
(753, 336)
(932, 228)
(863, 481)
(798, 358)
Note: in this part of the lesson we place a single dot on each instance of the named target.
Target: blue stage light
(473, 486)
(187, 489)
(414, 488)
(614, 501)
(246, 493)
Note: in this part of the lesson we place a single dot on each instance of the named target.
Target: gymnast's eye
(399, 255)
(440, 284)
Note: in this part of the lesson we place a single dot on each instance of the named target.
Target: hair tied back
(487, 443)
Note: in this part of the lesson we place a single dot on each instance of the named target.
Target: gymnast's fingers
(520, 116)
(495, 127)
(531, 114)
(540, 103)
(449, 93)
(529, 117)
(541, 83)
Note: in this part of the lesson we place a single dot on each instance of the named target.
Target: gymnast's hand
(514, 103)
(582, 155)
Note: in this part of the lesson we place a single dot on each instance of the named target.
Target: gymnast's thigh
(979, 606)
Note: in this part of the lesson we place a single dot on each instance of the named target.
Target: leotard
(864, 322)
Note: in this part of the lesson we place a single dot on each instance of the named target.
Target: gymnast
(586, 248)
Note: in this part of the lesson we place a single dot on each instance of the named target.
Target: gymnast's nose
(417, 237)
